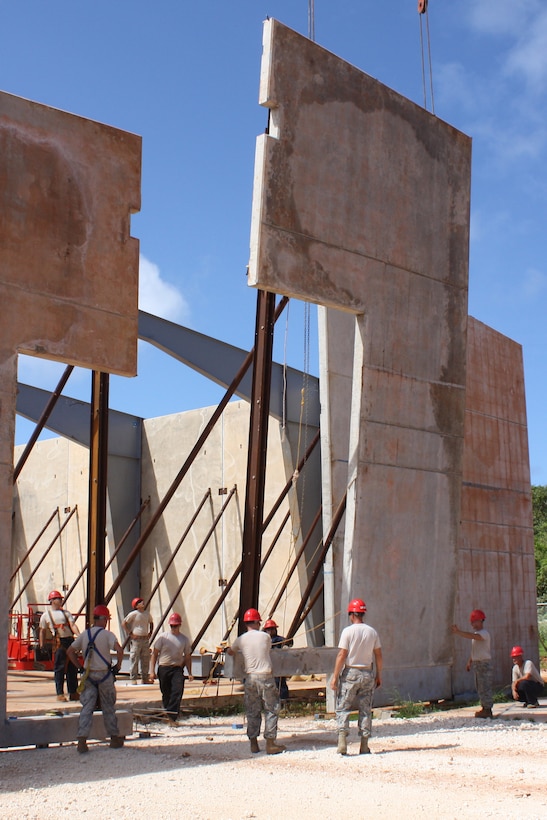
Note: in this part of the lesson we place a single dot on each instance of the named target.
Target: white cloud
(523, 23)
(158, 296)
(529, 56)
(501, 16)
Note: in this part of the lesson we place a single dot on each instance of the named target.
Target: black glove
(115, 668)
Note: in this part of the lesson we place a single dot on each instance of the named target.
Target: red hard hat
(101, 611)
(54, 594)
(517, 652)
(136, 601)
(251, 616)
(175, 619)
(477, 615)
(270, 625)
(357, 605)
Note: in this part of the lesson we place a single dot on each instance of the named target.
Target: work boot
(254, 745)
(116, 742)
(61, 697)
(82, 745)
(484, 713)
(74, 696)
(363, 748)
(272, 748)
(342, 748)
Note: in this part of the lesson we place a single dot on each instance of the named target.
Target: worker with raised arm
(480, 660)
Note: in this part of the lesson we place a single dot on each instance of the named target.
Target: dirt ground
(445, 765)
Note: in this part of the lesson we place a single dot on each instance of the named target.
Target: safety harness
(87, 659)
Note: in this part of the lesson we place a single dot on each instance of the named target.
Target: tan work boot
(363, 748)
(484, 713)
(116, 742)
(342, 748)
(254, 745)
(63, 698)
(82, 745)
(272, 748)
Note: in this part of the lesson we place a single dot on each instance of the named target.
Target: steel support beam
(98, 457)
(256, 457)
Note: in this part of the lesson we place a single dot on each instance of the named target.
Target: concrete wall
(496, 566)
(221, 467)
(56, 476)
(361, 203)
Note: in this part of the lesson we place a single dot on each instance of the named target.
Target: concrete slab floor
(33, 693)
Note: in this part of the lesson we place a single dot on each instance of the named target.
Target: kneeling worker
(526, 682)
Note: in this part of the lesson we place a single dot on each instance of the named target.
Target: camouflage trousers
(261, 693)
(88, 699)
(355, 692)
(483, 682)
(139, 654)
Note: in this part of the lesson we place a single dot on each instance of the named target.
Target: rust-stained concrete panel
(69, 264)
(352, 183)
(496, 555)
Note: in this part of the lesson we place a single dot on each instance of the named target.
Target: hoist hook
(422, 6)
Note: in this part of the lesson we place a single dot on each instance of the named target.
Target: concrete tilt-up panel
(361, 203)
(69, 273)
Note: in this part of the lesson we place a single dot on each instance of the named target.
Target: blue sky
(184, 75)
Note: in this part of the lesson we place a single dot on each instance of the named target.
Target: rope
(424, 12)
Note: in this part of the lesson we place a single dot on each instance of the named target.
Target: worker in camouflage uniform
(261, 693)
(357, 673)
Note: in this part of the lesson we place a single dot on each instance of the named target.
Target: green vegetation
(539, 506)
(409, 709)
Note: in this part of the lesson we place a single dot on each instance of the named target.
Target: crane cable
(423, 12)
(311, 19)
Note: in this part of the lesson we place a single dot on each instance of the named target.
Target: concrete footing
(40, 730)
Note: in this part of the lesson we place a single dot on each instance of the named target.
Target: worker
(480, 660)
(94, 647)
(58, 629)
(357, 673)
(138, 625)
(172, 651)
(526, 681)
(278, 642)
(261, 693)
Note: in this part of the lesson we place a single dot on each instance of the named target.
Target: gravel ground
(446, 765)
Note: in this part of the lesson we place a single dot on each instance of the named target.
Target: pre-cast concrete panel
(353, 183)
(69, 269)
(361, 203)
(496, 570)
(69, 272)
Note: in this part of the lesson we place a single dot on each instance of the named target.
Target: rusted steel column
(98, 457)
(256, 458)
